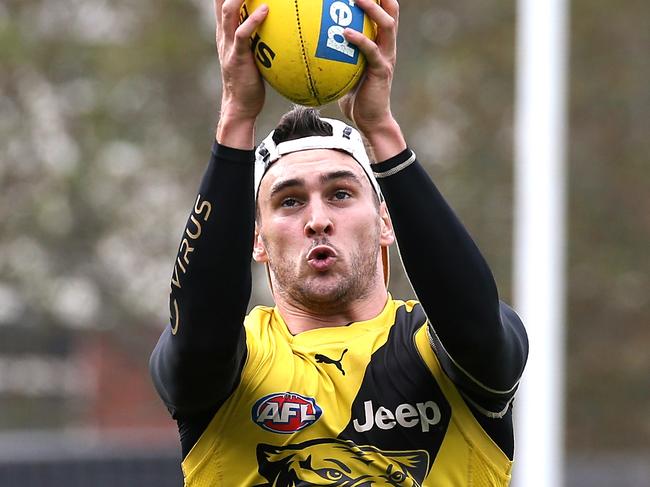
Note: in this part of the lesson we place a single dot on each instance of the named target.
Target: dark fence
(138, 458)
(95, 472)
(54, 460)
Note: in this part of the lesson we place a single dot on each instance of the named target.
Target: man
(338, 384)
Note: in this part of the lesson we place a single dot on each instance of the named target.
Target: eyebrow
(341, 174)
(287, 183)
(325, 178)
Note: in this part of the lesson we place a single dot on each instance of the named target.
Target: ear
(387, 234)
(259, 250)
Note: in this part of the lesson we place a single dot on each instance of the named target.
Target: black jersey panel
(399, 405)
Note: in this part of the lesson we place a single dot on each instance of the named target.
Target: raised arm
(481, 342)
(198, 359)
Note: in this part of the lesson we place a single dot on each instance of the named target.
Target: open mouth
(321, 258)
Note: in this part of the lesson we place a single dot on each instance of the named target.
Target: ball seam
(310, 80)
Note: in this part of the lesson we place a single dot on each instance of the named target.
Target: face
(320, 229)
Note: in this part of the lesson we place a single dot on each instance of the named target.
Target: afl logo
(286, 412)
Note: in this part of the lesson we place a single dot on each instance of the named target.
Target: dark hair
(297, 123)
(300, 122)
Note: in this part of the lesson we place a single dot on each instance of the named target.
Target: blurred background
(107, 112)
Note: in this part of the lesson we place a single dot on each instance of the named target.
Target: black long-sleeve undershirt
(480, 340)
(210, 290)
(448, 273)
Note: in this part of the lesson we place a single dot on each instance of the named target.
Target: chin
(334, 291)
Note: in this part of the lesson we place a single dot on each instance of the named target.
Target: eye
(289, 202)
(330, 474)
(394, 476)
(333, 474)
(397, 476)
(341, 195)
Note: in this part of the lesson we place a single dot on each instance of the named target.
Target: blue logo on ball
(337, 15)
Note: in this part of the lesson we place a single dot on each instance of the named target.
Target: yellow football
(300, 49)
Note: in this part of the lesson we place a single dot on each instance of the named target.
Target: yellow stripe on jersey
(466, 443)
(348, 402)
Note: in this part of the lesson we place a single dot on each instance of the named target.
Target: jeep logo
(425, 414)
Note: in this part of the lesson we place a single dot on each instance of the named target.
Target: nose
(319, 222)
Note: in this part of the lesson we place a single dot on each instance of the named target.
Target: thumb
(345, 104)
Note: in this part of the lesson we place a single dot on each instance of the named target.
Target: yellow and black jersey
(363, 404)
(401, 399)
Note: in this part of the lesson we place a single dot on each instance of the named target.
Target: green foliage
(107, 112)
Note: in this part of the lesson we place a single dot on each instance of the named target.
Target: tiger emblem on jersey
(334, 462)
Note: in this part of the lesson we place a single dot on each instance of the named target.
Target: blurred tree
(107, 112)
(609, 288)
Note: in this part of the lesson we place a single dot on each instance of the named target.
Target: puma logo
(323, 359)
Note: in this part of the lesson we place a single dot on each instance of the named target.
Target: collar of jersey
(327, 334)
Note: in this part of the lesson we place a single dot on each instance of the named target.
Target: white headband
(343, 137)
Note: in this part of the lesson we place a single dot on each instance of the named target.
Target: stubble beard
(313, 294)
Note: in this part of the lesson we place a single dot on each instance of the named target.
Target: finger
(386, 20)
(230, 11)
(370, 49)
(246, 29)
(391, 7)
(217, 11)
(345, 105)
(384, 15)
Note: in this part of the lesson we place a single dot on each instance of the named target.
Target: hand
(368, 105)
(242, 96)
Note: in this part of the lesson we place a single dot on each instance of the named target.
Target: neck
(299, 318)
